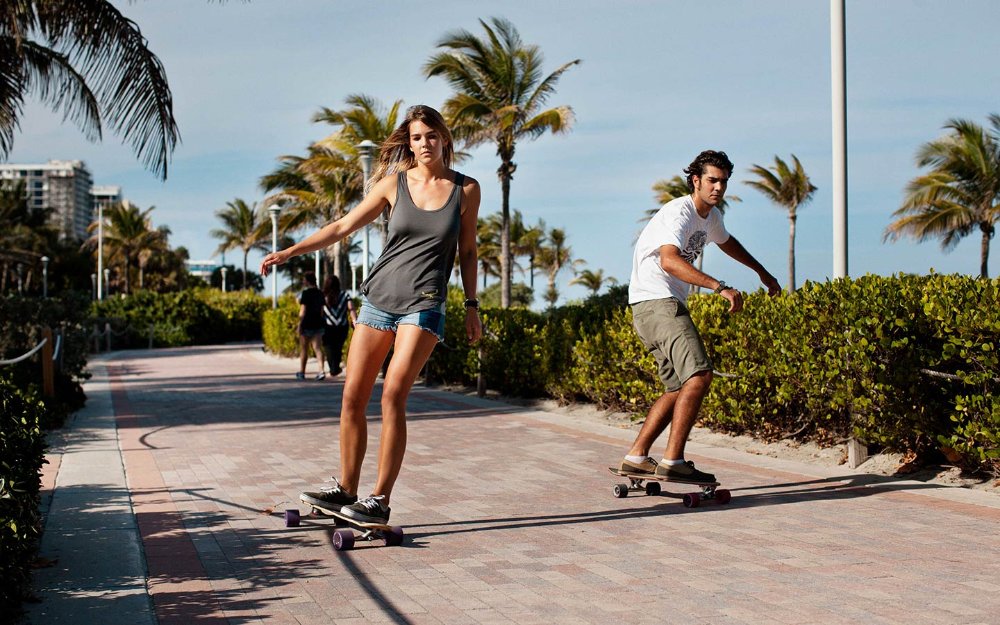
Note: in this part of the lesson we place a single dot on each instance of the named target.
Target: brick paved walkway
(510, 518)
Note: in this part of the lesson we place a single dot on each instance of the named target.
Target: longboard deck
(709, 490)
(343, 537)
(660, 478)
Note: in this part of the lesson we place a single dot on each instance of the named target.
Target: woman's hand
(473, 326)
(272, 259)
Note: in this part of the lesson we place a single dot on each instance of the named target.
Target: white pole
(838, 83)
(319, 278)
(274, 210)
(223, 271)
(45, 276)
(100, 251)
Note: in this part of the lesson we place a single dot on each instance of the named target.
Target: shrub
(21, 456)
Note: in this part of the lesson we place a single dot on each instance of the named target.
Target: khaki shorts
(664, 326)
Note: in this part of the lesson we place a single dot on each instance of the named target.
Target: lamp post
(224, 279)
(366, 149)
(838, 78)
(100, 252)
(107, 283)
(45, 276)
(93, 285)
(274, 210)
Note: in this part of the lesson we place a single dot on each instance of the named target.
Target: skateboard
(709, 492)
(344, 537)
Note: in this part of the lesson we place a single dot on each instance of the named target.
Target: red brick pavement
(509, 518)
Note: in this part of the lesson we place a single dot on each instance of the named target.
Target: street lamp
(45, 276)
(101, 271)
(107, 283)
(274, 210)
(93, 284)
(366, 149)
(224, 279)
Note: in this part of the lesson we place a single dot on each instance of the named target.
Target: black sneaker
(684, 472)
(329, 498)
(368, 510)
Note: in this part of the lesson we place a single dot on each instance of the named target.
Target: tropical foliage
(961, 192)
(131, 242)
(789, 187)
(90, 62)
(499, 95)
(593, 280)
(245, 227)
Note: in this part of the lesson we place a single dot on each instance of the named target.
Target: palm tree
(593, 280)
(128, 235)
(960, 194)
(552, 258)
(315, 190)
(790, 188)
(365, 118)
(85, 58)
(25, 234)
(527, 242)
(499, 94)
(245, 226)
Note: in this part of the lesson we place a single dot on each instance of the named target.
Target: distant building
(202, 268)
(105, 195)
(62, 186)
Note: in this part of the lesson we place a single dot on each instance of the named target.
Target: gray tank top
(412, 273)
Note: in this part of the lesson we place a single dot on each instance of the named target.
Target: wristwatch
(472, 303)
(722, 287)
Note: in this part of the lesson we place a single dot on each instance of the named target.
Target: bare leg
(317, 343)
(368, 349)
(685, 412)
(657, 420)
(413, 348)
(303, 353)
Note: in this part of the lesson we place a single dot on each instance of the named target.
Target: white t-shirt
(676, 223)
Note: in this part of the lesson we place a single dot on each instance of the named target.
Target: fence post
(480, 378)
(107, 335)
(48, 381)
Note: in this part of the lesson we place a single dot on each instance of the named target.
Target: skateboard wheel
(723, 496)
(621, 491)
(691, 500)
(292, 518)
(393, 536)
(653, 489)
(343, 540)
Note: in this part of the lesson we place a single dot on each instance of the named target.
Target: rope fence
(34, 350)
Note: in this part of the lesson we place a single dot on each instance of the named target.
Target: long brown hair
(331, 290)
(394, 153)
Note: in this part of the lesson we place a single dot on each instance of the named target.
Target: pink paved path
(510, 518)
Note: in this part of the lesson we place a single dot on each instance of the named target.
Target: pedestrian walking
(310, 328)
(338, 315)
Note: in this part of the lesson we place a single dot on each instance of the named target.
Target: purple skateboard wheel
(292, 517)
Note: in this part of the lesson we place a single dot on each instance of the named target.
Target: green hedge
(200, 316)
(22, 450)
(280, 327)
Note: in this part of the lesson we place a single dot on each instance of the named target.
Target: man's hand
(735, 299)
(773, 288)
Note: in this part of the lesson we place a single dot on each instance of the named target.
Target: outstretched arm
(365, 212)
(735, 250)
(468, 256)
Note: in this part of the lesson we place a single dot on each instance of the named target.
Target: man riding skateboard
(662, 275)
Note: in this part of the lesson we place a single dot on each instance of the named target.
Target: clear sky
(659, 82)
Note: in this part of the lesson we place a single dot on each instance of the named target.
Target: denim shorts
(430, 320)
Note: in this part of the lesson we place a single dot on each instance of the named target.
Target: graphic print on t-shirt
(695, 244)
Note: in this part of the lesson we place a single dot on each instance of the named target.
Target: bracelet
(472, 303)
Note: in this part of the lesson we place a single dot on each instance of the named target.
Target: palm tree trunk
(245, 253)
(791, 251)
(505, 257)
(984, 252)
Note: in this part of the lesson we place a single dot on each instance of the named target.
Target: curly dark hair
(708, 157)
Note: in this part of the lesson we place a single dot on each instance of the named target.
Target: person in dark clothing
(311, 326)
(432, 215)
(338, 313)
